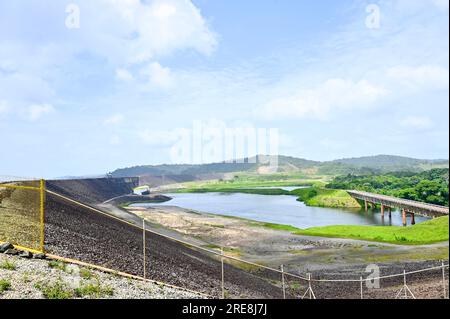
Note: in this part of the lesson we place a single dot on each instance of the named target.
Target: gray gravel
(30, 274)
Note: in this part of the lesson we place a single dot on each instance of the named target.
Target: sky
(90, 86)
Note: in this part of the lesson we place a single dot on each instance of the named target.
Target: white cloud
(416, 122)
(158, 75)
(114, 119)
(36, 111)
(124, 75)
(4, 108)
(425, 77)
(333, 95)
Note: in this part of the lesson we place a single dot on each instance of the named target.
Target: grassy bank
(322, 197)
(432, 231)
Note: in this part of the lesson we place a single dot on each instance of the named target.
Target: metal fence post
(361, 286)
(443, 279)
(42, 212)
(143, 241)
(223, 281)
(282, 282)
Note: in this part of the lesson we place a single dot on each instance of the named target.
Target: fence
(79, 231)
(22, 214)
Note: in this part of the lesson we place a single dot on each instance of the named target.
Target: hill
(286, 164)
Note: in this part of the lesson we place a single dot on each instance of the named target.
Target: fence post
(41, 213)
(443, 279)
(361, 286)
(223, 275)
(143, 241)
(282, 282)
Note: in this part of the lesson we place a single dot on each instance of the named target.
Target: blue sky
(112, 88)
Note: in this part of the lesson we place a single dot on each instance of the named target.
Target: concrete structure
(405, 205)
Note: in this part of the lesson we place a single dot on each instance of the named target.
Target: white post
(223, 281)
(404, 281)
(282, 282)
(143, 240)
(443, 279)
(309, 286)
(361, 286)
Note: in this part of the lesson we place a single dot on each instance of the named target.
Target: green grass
(322, 197)
(8, 265)
(94, 290)
(57, 265)
(432, 231)
(85, 273)
(57, 290)
(4, 285)
(259, 191)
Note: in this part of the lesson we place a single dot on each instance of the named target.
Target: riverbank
(272, 244)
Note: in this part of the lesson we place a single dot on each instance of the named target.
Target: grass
(94, 290)
(57, 265)
(57, 290)
(432, 231)
(85, 273)
(4, 285)
(323, 197)
(8, 265)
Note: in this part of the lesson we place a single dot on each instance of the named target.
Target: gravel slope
(30, 278)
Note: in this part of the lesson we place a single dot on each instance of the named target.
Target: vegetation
(93, 290)
(4, 285)
(428, 232)
(429, 186)
(291, 165)
(57, 265)
(85, 273)
(322, 197)
(8, 265)
(57, 290)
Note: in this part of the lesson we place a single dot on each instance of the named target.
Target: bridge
(406, 206)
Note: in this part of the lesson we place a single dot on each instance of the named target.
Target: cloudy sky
(89, 86)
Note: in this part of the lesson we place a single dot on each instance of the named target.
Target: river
(279, 209)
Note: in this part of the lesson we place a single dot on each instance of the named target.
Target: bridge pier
(404, 217)
(365, 205)
(382, 211)
(390, 212)
(413, 219)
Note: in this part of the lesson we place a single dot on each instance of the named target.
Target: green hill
(288, 164)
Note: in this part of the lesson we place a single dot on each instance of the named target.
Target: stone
(11, 251)
(5, 246)
(25, 254)
(39, 256)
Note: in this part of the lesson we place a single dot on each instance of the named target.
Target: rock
(25, 254)
(11, 251)
(5, 246)
(39, 256)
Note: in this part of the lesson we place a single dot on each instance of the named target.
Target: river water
(279, 209)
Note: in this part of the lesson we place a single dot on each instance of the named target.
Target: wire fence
(79, 231)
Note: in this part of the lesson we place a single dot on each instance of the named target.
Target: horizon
(113, 85)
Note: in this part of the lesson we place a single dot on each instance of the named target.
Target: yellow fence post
(42, 211)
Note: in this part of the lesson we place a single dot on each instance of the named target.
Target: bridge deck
(412, 206)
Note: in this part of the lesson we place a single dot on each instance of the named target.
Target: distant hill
(361, 165)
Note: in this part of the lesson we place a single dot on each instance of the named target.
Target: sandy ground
(250, 241)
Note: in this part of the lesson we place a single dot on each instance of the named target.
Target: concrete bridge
(406, 206)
